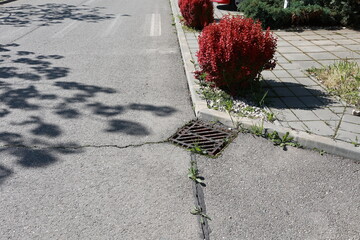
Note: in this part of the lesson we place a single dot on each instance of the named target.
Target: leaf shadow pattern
(27, 65)
(31, 88)
(128, 127)
(49, 14)
(4, 173)
(28, 153)
(159, 111)
(42, 128)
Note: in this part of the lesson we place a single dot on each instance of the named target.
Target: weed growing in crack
(356, 143)
(198, 211)
(283, 141)
(321, 152)
(193, 174)
(257, 130)
(197, 149)
(274, 136)
(270, 117)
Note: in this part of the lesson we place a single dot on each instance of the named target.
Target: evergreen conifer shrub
(233, 53)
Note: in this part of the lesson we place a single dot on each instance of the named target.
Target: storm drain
(197, 134)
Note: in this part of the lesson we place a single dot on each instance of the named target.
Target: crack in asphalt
(84, 146)
(200, 202)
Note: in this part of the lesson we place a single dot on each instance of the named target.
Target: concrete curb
(307, 140)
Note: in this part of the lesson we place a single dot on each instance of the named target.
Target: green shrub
(303, 12)
(269, 13)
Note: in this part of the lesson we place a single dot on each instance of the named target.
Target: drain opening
(206, 136)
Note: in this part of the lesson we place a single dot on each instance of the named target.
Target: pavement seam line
(340, 121)
(83, 146)
(200, 202)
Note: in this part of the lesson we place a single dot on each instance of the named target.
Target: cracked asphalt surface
(89, 95)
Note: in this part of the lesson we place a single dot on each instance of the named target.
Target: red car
(234, 3)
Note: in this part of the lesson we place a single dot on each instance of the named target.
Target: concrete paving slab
(284, 44)
(268, 75)
(281, 73)
(296, 125)
(276, 103)
(354, 47)
(339, 110)
(293, 102)
(349, 127)
(292, 38)
(351, 119)
(305, 115)
(319, 128)
(253, 192)
(336, 48)
(301, 43)
(310, 49)
(284, 115)
(326, 114)
(313, 37)
(326, 63)
(323, 42)
(307, 64)
(296, 57)
(288, 49)
(348, 54)
(296, 73)
(289, 81)
(283, 92)
(345, 41)
(300, 91)
(322, 56)
(289, 66)
(317, 90)
(311, 101)
(348, 136)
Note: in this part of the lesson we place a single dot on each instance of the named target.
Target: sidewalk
(299, 102)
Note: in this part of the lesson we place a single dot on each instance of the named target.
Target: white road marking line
(66, 30)
(110, 30)
(88, 2)
(155, 25)
(162, 51)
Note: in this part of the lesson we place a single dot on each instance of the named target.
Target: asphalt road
(89, 90)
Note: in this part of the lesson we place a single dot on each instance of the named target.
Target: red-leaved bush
(233, 53)
(197, 13)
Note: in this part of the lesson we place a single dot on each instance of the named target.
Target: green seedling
(270, 117)
(257, 130)
(194, 175)
(322, 152)
(283, 141)
(198, 211)
(356, 143)
(197, 149)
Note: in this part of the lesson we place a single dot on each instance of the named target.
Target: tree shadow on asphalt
(33, 91)
(49, 14)
(296, 96)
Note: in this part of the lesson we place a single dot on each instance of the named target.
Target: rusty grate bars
(208, 137)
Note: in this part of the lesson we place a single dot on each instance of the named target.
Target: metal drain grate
(207, 137)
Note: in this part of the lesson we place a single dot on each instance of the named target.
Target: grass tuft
(342, 79)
